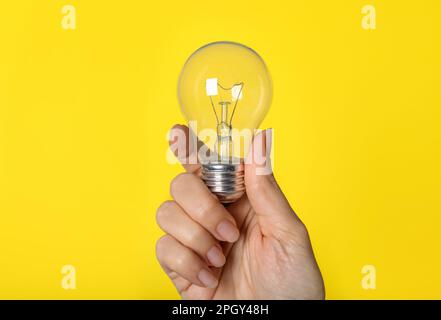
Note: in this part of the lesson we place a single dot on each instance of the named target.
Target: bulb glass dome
(225, 89)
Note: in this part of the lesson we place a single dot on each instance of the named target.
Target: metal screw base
(224, 180)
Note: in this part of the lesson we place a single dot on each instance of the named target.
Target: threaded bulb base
(224, 180)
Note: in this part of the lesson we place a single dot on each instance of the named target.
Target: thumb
(264, 194)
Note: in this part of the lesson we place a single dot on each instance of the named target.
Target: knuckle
(206, 208)
(197, 238)
(183, 261)
(180, 182)
(161, 246)
(164, 211)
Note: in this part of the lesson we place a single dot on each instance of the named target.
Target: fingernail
(216, 256)
(228, 231)
(207, 279)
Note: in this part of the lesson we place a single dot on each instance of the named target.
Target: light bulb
(225, 92)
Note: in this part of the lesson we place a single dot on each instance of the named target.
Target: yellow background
(84, 115)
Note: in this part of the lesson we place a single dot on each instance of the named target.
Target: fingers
(174, 221)
(195, 222)
(193, 196)
(175, 257)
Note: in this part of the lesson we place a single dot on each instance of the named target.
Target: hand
(255, 248)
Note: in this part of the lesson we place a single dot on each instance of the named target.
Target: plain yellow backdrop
(84, 115)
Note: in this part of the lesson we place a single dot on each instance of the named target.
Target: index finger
(193, 196)
(185, 145)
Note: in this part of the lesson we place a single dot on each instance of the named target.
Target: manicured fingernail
(216, 257)
(207, 279)
(228, 231)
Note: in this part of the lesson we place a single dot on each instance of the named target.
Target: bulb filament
(224, 124)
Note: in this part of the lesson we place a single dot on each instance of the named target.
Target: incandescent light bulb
(225, 92)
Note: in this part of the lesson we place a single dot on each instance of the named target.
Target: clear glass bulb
(225, 91)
